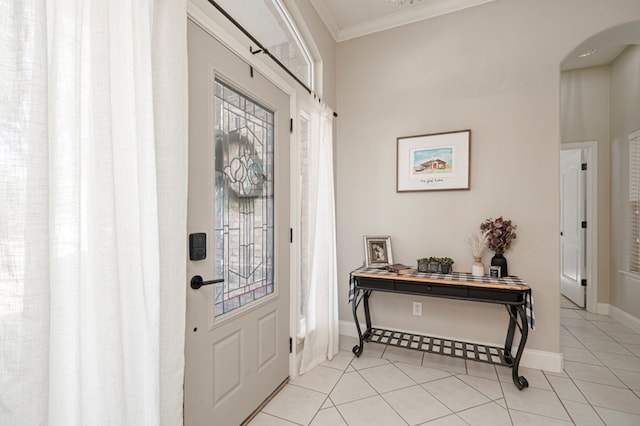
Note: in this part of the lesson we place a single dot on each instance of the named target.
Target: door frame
(215, 30)
(590, 150)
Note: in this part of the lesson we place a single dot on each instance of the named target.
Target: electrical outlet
(417, 309)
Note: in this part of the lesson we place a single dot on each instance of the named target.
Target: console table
(511, 292)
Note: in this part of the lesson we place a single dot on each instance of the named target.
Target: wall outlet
(417, 309)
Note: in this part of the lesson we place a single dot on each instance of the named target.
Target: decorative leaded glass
(243, 199)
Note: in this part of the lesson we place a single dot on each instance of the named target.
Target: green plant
(424, 260)
(446, 261)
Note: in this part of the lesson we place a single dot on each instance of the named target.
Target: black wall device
(198, 246)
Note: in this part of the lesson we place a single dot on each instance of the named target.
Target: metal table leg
(515, 312)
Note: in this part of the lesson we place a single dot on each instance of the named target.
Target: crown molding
(430, 9)
(327, 18)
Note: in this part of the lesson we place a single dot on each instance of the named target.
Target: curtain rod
(261, 48)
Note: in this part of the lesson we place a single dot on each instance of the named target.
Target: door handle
(197, 282)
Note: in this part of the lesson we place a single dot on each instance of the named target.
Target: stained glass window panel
(244, 199)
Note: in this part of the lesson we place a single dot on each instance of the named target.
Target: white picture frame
(377, 251)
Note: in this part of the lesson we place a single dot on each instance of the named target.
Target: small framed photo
(377, 251)
(433, 162)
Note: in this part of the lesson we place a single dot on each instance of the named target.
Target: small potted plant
(423, 264)
(445, 265)
(434, 264)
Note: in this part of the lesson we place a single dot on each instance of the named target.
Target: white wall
(584, 116)
(625, 118)
(493, 69)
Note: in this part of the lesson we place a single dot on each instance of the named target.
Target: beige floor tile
(629, 378)
(409, 356)
(455, 394)
(367, 362)
(587, 332)
(370, 411)
(521, 418)
(489, 388)
(321, 379)
(579, 355)
(566, 389)
(263, 419)
(618, 418)
(327, 404)
(455, 365)
(633, 338)
(340, 361)
(328, 417)
(573, 322)
(490, 414)
(597, 317)
(633, 348)
(536, 378)
(386, 378)
(570, 313)
(612, 327)
(592, 373)
(583, 414)
(610, 397)
(347, 343)
(482, 369)
(569, 341)
(295, 404)
(415, 405)
(420, 374)
(606, 344)
(351, 387)
(536, 401)
(622, 362)
(450, 420)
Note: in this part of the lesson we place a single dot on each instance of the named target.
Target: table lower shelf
(438, 345)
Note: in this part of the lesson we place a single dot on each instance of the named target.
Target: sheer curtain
(93, 176)
(320, 286)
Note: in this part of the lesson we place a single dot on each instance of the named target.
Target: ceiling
(348, 19)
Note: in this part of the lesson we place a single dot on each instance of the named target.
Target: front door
(572, 235)
(237, 331)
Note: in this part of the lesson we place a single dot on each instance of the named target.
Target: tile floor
(389, 386)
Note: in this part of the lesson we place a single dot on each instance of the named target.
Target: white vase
(477, 269)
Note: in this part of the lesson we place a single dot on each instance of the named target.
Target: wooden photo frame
(434, 162)
(377, 251)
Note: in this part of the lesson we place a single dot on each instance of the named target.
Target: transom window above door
(270, 23)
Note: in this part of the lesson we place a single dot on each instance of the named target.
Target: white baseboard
(624, 318)
(603, 309)
(531, 358)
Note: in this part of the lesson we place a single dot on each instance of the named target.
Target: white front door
(572, 235)
(237, 331)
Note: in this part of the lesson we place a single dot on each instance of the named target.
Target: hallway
(394, 386)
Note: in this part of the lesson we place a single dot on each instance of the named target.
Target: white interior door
(237, 342)
(572, 235)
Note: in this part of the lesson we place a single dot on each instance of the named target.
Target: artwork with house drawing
(433, 162)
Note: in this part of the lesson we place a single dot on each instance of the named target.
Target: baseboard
(603, 309)
(531, 358)
(624, 318)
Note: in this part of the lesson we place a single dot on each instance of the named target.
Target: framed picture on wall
(434, 162)
(377, 251)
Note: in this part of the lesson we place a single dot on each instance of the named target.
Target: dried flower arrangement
(500, 234)
(478, 244)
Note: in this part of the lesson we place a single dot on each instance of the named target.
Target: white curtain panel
(93, 178)
(321, 286)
